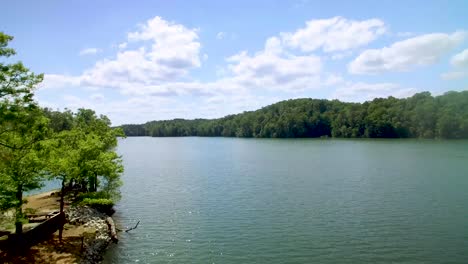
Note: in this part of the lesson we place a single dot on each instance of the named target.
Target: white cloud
(174, 45)
(145, 108)
(162, 68)
(273, 45)
(454, 75)
(129, 110)
(122, 45)
(159, 68)
(152, 72)
(460, 60)
(221, 35)
(97, 97)
(333, 79)
(402, 55)
(460, 63)
(174, 50)
(52, 81)
(341, 55)
(168, 89)
(334, 34)
(226, 35)
(141, 109)
(89, 51)
(359, 92)
(130, 66)
(272, 68)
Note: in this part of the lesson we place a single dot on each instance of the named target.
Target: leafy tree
(82, 151)
(22, 128)
(88, 149)
(97, 157)
(38, 144)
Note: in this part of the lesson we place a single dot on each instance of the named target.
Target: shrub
(92, 195)
(101, 204)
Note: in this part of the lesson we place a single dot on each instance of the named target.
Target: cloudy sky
(137, 61)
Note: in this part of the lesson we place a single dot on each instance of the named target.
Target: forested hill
(419, 116)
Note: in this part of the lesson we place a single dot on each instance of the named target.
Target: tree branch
(133, 227)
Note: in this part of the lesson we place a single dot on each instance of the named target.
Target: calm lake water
(228, 200)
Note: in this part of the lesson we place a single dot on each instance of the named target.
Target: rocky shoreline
(94, 244)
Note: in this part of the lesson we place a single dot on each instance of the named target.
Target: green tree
(84, 154)
(97, 157)
(22, 129)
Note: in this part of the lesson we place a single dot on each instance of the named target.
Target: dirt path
(43, 202)
(51, 250)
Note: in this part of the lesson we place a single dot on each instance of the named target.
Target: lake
(230, 200)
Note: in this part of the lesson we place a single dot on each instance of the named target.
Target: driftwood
(133, 227)
(129, 229)
(112, 230)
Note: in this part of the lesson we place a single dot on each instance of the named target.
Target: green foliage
(419, 116)
(23, 127)
(92, 195)
(60, 121)
(102, 204)
(82, 151)
(97, 202)
(39, 144)
(4, 51)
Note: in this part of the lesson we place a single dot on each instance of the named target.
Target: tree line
(419, 116)
(39, 144)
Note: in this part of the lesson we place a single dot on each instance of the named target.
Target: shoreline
(95, 243)
(86, 234)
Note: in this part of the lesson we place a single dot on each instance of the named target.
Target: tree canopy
(22, 128)
(38, 144)
(419, 116)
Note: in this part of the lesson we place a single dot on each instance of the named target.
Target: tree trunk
(70, 184)
(19, 210)
(62, 204)
(93, 183)
(84, 185)
(62, 196)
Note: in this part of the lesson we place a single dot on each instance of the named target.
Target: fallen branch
(133, 227)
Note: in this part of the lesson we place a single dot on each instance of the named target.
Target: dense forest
(419, 116)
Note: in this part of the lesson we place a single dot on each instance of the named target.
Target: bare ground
(51, 250)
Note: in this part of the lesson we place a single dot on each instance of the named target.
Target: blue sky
(137, 61)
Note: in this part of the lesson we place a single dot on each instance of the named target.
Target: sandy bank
(85, 235)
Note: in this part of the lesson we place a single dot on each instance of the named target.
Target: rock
(95, 246)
